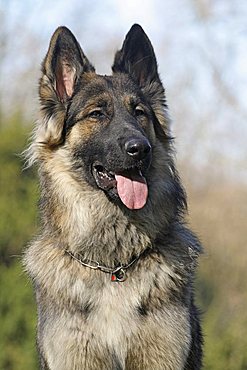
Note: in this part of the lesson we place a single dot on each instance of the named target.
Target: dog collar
(118, 273)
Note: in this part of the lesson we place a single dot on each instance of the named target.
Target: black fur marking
(116, 364)
(43, 363)
(86, 309)
(194, 360)
(142, 309)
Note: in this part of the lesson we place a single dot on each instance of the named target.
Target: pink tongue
(133, 191)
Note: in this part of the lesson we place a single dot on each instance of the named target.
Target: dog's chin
(125, 186)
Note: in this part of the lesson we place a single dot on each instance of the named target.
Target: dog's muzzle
(128, 182)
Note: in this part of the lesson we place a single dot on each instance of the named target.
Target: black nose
(137, 148)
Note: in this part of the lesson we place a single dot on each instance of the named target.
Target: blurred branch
(224, 90)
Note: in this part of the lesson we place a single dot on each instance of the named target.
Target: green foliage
(17, 312)
(18, 198)
(18, 191)
(225, 340)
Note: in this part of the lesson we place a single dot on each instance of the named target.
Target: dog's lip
(129, 185)
(104, 178)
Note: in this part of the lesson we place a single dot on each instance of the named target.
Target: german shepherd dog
(113, 264)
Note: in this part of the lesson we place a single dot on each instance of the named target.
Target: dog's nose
(137, 148)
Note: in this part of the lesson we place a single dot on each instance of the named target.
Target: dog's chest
(113, 320)
(114, 316)
(101, 326)
(118, 307)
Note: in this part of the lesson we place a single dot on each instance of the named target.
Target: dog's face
(109, 125)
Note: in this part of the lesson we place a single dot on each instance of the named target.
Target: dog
(113, 263)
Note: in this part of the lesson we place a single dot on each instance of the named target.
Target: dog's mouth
(129, 185)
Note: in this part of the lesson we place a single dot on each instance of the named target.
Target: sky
(201, 47)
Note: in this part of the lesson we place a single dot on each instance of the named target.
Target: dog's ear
(61, 69)
(64, 63)
(137, 57)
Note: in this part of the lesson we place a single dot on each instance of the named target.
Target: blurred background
(201, 47)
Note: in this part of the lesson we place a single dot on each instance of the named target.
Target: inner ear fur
(64, 62)
(61, 69)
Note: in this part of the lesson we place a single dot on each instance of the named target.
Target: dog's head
(114, 128)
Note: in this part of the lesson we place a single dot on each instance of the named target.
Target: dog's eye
(139, 111)
(96, 114)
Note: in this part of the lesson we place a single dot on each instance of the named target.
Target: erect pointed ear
(137, 57)
(64, 63)
(62, 67)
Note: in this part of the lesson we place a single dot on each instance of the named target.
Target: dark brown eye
(96, 114)
(139, 111)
